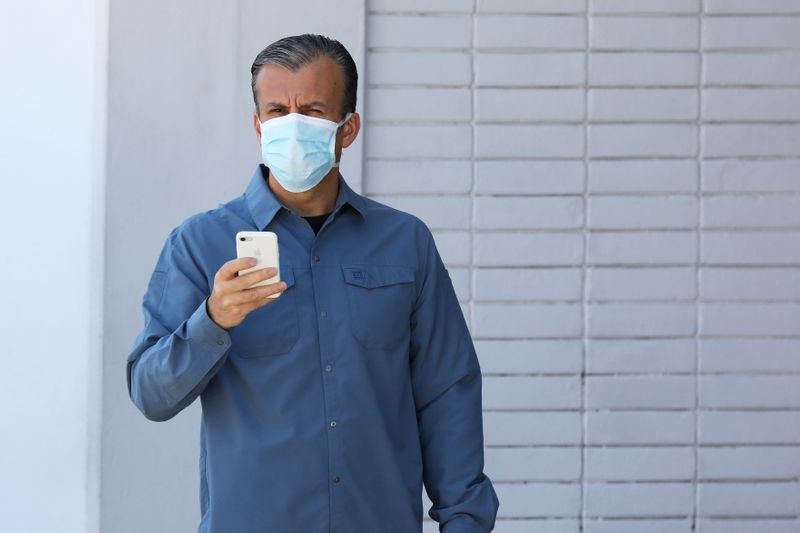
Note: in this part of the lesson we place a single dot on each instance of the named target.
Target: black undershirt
(316, 221)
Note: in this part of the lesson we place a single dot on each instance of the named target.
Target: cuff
(201, 329)
(462, 524)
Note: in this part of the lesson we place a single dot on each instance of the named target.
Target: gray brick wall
(615, 188)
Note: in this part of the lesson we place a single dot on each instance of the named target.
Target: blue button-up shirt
(327, 409)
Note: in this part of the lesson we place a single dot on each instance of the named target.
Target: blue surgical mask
(299, 150)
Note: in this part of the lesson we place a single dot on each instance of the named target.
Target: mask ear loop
(342, 123)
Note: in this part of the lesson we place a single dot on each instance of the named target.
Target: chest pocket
(273, 328)
(380, 299)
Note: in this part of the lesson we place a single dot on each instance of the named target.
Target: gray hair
(298, 50)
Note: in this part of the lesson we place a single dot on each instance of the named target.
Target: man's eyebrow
(316, 103)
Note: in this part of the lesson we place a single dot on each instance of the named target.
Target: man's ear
(350, 130)
(257, 125)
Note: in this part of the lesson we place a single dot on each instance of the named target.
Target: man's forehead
(319, 82)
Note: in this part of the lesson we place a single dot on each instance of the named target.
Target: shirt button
(336, 479)
(333, 423)
(323, 313)
(316, 258)
(327, 368)
(220, 341)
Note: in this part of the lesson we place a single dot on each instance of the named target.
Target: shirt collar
(264, 205)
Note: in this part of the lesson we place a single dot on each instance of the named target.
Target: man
(326, 408)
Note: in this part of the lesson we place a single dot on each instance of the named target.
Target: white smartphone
(263, 245)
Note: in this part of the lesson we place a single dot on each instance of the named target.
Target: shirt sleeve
(446, 380)
(180, 347)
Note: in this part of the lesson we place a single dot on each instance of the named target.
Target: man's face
(316, 90)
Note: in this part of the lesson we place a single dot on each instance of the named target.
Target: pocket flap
(287, 275)
(370, 276)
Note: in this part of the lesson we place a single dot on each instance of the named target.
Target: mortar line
(698, 259)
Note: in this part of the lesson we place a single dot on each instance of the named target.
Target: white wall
(615, 187)
(52, 150)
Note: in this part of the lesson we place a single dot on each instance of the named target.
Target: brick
(639, 464)
(752, 68)
(751, 247)
(732, 175)
(750, 355)
(529, 177)
(622, 356)
(415, 141)
(750, 391)
(428, 32)
(526, 428)
(516, 356)
(642, 283)
(750, 32)
(529, 69)
(463, 6)
(417, 176)
(637, 525)
(644, 6)
(514, 284)
(645, 392)
(751, 104)
(645, 33)
(749, 462)
(520, 212)
(532, 6)
(753, 499)
(528, 249)
(752, 6)
(510, 141)
(637, 248)
(639, 140)
(500, 31)
(761, 211)
(749, 283)
(510, 104)
(532, 392)
(643, 69)
(640, 427)
(419, 68)
(643, 175)
(408, 103)
(742, 319)
(745, 525)
(438, 212)
(528, 320)
(632, 212)
(533, 464)
(638, 499)
(539, 499)
(642, 319)
(725, 140)
(643, 104)
(749, 427)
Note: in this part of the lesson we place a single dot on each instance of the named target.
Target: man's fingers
(230, 269)
(258, 295)
(244, 281)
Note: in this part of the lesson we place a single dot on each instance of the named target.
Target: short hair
(296, 51)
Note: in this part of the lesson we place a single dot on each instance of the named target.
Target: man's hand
(231, 298)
